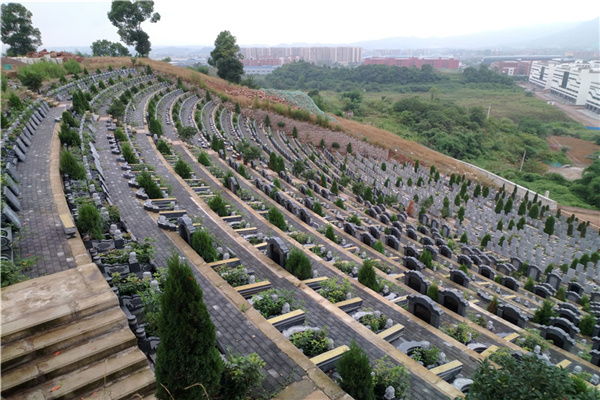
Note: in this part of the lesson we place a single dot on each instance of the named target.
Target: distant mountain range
(573, 35)
(583, 36)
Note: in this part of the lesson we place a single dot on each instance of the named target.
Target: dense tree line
(303, 75)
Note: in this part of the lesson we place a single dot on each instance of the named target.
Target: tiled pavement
(42, 235)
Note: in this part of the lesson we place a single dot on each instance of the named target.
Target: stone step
(87, 379)
(54, 365)
(61, 337)
(134, 386)
(38, 305)
(46, 319)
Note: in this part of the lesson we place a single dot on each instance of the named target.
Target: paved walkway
(42, 234)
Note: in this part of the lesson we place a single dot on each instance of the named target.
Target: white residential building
(592, 102)
(572, 81)
(541, 73)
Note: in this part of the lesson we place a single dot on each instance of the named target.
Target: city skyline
(268, 24)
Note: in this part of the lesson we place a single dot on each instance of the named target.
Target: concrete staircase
(65, 337)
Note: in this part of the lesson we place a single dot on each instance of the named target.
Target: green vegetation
(69, 165)
(444, 112)
(188, 364)
(202, 243)
(298, 264)
(89, 221)
(529, 378)
(355, 371)
(183, 169)
(367, 275)
(275, 217)
(311, 342)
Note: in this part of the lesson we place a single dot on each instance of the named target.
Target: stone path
(42, 234)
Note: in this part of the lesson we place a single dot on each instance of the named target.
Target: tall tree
(226, 58)
(109, 49)
(128, 17)
(187, 354)
(17, 30)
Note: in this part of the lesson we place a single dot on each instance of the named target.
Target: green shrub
(330, 233)
(428, 356)
(426, 258)
(543, 314)
(202, 243)
(127, 153)
(385, 374)
(72, 66)
(203, 159)
(340, 203)
(531, 338)
(218, 205)
(355, 220)
(144, 180)
(183, 169)
(264, 303)
(378, 246)
(89, 221)
(334, 291)
(12, 271)
(586, 325)
(461, 332)
(318, 208)
(492, 307)
(355, 371)
(433, 292)
(298, 264)
(367, 276)
(70, 166)
(376, 323)
(237, 276)
(163, 147)
(311, 342)
(68, 136)
(275, 217)
(241, 375)
(529, 378)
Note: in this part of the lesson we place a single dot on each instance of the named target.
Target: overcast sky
(271, 22)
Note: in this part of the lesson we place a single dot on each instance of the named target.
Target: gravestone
(186, 228)
(485, 270)
(559, 337)
(511, 283)
(305, 215)
(232, 184)
(350, 229)
(553, 280)
(425, 308)
(542, 291)
(413, 264)
(277, 250)
(410, 251)
(367, 239)
(452, 300)
(464, 259)
(534, 272)
(393, 242)
(512, 315)
(412, 234)
(445, 251)
(417, 281)
(459, 277)
(566, 325)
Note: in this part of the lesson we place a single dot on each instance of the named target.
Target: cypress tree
(334, 188)
(485, 191)
(534, 212)
(522, 208)
(183, 169)
(477, 191)
(367, 276)
(549, 225)
(521, 223)
(187, 354)
(355, 369)
(508, 205)
(499, 205)
(330, 233)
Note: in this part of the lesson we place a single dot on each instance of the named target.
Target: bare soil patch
(569, 173)
(578, 149)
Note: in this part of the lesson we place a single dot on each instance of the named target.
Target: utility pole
(489, 109)
(523, 160)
